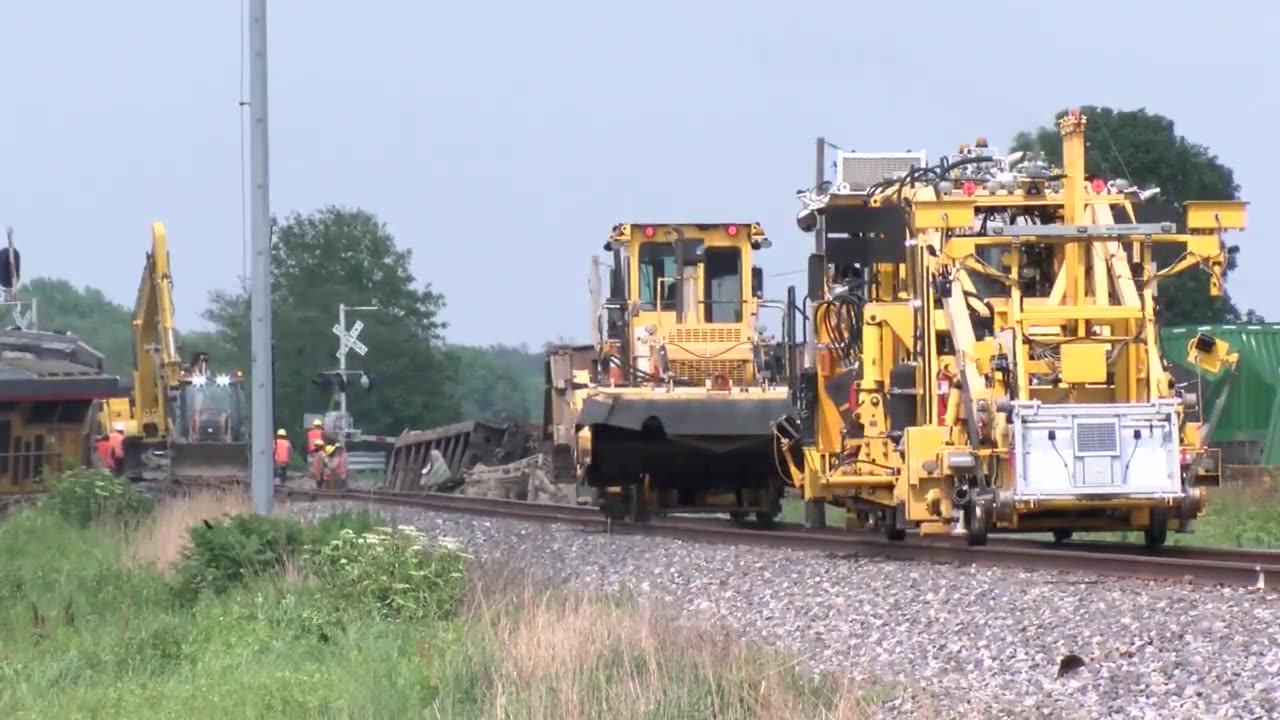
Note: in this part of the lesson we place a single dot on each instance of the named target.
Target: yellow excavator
(181, 422)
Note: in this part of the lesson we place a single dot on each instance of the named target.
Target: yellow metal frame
(1098, 316)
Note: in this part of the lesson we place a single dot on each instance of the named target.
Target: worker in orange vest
(315, 436)
(115, 445)
(282, 452)
(317, 461)
(102, 446)
(334, 470)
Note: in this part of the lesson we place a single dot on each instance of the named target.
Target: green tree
(1145, 148)
(89, 315)
(500, 382)
(343, 255)
(104, 325)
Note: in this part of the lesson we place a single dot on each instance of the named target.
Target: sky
(501, 141)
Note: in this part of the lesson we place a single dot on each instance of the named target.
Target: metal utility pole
(347, 341)
(260, 272)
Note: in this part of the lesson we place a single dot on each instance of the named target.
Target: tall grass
(92, 625)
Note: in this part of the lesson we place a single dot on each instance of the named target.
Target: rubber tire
(1061, 536)
(1156, 533)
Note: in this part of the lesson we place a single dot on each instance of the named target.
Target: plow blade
(209, 461)
(701, 444)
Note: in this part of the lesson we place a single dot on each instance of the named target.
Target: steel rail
(1205, 566)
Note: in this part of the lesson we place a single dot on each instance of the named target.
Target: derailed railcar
(49, 383)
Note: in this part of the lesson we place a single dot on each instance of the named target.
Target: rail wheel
(1061, 536)
(639, 503)
(893, 529)
(764, 519)
(977, 516)
(1157, 530)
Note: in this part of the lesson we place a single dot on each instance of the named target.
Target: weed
(391, 572)
(84, 495)
(222, 554)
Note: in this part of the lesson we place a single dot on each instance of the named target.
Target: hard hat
(281, 433)
(328, 449)
(118, 427)
(316, 423)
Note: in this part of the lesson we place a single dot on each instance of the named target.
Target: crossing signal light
(10, 267)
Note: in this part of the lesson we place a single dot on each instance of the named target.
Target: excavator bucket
(209, 461)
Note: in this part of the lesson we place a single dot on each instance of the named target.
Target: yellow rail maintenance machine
(671, 410)
(984, 352)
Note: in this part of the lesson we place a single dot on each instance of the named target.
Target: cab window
(722, 286)
(657, 276)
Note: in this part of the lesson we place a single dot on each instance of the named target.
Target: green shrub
(221, 555)
(328, 528)
(85, 495)
(391, 572)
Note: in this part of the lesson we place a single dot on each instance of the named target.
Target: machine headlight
(223, 380)
(199, 380)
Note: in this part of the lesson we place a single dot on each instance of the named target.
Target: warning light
(648, 231)
(968, 188)
(732, 230)
(1099, 186)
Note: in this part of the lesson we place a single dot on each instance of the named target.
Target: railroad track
(1207, 566)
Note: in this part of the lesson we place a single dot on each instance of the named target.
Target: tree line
(422, 381)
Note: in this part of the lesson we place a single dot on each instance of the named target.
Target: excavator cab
(212, 411)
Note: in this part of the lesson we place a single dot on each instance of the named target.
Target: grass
(793, 512)
(92, 626)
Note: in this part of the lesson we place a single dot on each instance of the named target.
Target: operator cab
(211, 408)
(684, 301)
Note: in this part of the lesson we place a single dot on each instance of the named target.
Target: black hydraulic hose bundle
(842, 319)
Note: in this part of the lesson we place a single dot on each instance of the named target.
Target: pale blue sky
(500, 141)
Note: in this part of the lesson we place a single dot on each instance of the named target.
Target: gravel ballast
(967, 642)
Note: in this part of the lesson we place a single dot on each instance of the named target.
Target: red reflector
(648, 231)
(732, 230)
(1099, 186)
(968, 188)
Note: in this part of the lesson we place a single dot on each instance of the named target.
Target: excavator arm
(157, 366)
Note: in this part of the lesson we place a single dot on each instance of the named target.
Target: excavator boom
(179, 422)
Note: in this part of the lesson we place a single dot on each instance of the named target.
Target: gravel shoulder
(962, 642)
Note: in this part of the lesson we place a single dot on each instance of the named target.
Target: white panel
(1066, 451)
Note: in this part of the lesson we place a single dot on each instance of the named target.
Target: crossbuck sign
(347, 340)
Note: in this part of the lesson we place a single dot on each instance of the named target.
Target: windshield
(657, 264)
(203, 398)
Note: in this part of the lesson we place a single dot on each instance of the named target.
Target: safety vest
(116, 446)
(314, 435)
(104, 451)
(282, 451)
(335, 467)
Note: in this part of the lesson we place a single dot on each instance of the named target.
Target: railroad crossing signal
(347, 340)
